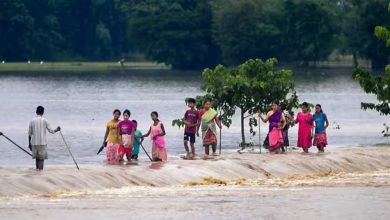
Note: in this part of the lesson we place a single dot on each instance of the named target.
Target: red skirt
(320, 139)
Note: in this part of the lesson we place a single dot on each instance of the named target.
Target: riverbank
(78, 66)
(229, 169)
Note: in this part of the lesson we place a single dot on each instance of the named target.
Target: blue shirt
(320, 122)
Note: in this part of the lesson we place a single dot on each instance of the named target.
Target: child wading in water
(209, 130)
(137, 141)
(305, 130)
(157, 133)
(321, 124)
(126, 131)
(191, 119)
(111, 138)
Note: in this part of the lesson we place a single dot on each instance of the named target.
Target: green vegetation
(174, 32)
(377, 85)
(78, 66)
(192, 34)
(294, 30)
(359, 22)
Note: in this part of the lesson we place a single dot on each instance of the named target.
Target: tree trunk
(242, 127)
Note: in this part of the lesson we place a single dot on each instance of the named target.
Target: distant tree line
(192, 34)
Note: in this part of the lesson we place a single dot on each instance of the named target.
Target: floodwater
(208, 203)
(344, 183)
(347, 183)
(81, 103)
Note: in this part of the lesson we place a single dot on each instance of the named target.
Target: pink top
(125, 127)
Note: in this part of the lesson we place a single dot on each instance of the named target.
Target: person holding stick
(157, 133)
(277, 122)
(111, 138)
(37, 137)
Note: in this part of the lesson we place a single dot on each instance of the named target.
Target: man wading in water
(37, 137)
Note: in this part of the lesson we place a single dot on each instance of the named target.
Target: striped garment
(37, 130)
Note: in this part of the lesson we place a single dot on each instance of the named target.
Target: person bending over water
(321, 124)
(157, 133)
(277, 122)
(209, 130)
(37, 137)
(111, 138)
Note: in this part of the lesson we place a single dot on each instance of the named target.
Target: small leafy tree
(377, 85)
(249, 88)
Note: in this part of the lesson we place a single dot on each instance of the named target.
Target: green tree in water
(249, 88)
(377, 85)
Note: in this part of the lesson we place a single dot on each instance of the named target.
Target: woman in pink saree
(277, 122)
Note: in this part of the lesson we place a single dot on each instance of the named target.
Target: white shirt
(37, 130)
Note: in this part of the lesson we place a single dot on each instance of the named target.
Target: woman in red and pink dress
(157, 133)
(306, 128)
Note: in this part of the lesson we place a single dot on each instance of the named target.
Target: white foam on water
(229, 169)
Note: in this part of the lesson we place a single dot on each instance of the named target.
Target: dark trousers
(39, 164)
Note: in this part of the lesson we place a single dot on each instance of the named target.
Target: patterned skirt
(111, 151)
(209, 138)
(320, 139)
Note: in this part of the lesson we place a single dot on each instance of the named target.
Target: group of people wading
(311, 130)
(120, 135)
(123, 139)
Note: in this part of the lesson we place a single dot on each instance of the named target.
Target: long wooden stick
(145, 151)
(16, 145)
(69, 150)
